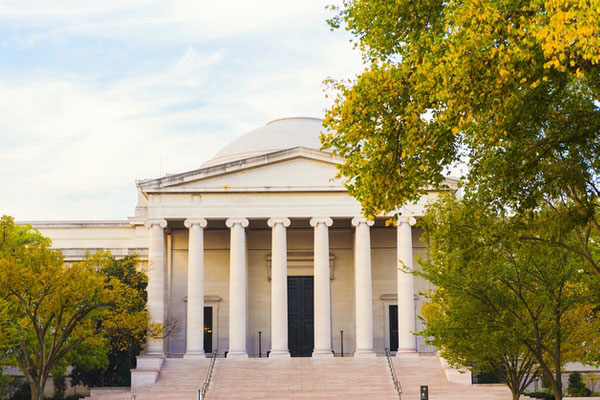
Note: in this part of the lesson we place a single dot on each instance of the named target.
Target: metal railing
(393, 372)
(206, 384)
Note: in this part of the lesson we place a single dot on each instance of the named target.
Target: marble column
(279, 298)
(322, 287)
(156, 280)
(407, 342)
(195, 292)
(237, 288)
(363, 292)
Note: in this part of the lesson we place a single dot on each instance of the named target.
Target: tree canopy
(124, 343)
(500, 304)
(53, 314)
(510, 89)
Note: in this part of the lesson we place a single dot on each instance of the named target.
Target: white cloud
(159, 21)
(72, 144)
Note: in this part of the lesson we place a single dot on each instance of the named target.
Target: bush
(487, 377)
(541, 395)
(60, 386)
(577, 387)
(22, 393)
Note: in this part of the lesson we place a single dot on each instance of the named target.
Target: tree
(465, 339)
(509, 88)
(532, 298)
(53, 314)
(124, 344)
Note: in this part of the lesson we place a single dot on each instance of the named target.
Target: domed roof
(280, 134)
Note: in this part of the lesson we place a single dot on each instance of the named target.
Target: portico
(357, 228)
(268, 207)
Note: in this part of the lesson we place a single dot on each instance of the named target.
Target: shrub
(541, 395)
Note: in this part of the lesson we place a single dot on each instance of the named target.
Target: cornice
(166, 182)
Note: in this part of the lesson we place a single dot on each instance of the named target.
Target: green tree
(124, 343)
(576, 386)
(509, 88)
(53, 314)
(534, 298)
(467, 339)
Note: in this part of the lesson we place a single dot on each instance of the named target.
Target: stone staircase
(179, 379)
(307, 378)
(302, 378)
(427, 370)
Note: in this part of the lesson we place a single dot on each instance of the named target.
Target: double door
(301, 315)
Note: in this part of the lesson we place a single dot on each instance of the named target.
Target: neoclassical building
(261, 247)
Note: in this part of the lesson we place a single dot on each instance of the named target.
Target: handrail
(393, 372)
(206, 384)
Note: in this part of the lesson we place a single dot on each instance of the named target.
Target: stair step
(308, 378)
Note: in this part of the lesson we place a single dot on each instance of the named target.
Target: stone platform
(307, 378)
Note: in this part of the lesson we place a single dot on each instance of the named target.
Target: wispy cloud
(96, 97)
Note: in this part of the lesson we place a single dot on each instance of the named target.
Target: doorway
(393, 328)
(208, 329)
(301, 317)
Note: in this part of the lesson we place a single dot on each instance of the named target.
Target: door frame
(387, 300)
(213, 302)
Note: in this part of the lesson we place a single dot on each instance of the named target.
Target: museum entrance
(301, 315)
(393, 328)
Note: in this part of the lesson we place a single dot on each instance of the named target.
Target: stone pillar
(195, 292)
(237, 288)
(363, 292)
(156, 280)
(322, 288)
(407, 342)
(279, 298)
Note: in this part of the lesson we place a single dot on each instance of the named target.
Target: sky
(95, 95)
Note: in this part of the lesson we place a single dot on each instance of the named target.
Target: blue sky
(95, 96)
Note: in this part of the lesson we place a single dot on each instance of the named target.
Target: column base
(154, 353)
(194, 355)
(407, 353)
(322, 354)
(364, 353)
(279, 354)
(238, 355)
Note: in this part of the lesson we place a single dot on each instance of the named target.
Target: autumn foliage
(54, 314)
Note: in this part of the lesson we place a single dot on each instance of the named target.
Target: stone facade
(227, 236)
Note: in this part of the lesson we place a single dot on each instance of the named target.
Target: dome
(280, 134)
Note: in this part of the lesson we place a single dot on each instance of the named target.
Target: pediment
(298, 169)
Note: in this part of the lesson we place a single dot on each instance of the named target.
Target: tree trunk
(512, 380)
(557, 384)
(557, 358)
(37, 391)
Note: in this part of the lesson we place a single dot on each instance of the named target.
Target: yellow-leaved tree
(54, 314)
(510, 89)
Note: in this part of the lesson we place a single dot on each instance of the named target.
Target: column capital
(195, 221)
(410, 220)
(321, 220)
(362, 220)
(156, 221)
(233, 221)
(279, 220)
